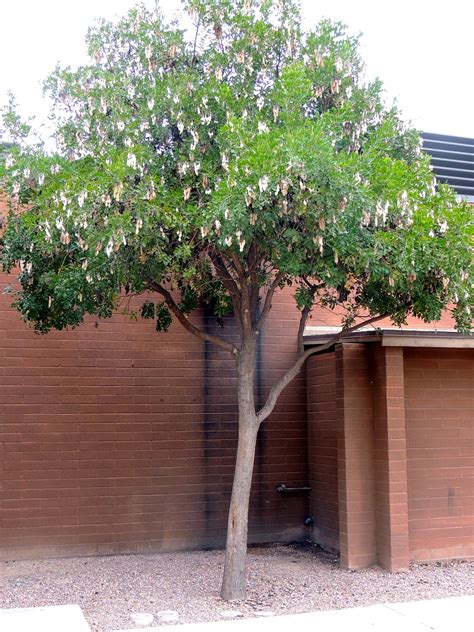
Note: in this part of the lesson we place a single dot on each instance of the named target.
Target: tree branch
(224, 274)
(242, 276)
(195, 40)
(199, 333)
(267, 305)
(305, 312)
(229, 283)
(294, 370)
(253, 265)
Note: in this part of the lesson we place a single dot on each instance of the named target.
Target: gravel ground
(281, 580)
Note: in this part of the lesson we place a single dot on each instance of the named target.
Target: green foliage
(163, 317)
(189, 300)
(148, 310)
(249, 140)
(304, 297)
(217, 300)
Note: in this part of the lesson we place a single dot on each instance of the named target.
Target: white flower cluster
(379, 216)
(131, 160)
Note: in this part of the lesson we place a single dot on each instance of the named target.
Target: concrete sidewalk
(44, 619)
(454, 614)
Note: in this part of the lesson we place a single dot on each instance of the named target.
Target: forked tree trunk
(234, 583)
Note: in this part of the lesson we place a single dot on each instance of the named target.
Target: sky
(421, 49)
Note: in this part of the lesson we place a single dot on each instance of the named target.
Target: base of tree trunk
(234, 581)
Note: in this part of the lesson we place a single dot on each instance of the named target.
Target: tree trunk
(233, 583)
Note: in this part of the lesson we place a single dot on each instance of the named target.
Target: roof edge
(427, 338)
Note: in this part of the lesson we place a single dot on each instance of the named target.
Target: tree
(218, 169)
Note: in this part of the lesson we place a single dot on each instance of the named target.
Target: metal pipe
(283, 488)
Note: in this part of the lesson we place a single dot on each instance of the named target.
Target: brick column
(355, 456)
(390, 457)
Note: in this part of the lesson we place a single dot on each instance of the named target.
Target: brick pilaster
(355, 456)
(390, 458)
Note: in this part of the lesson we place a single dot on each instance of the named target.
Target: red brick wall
(115, 438)
(326, 317)
(322, 449)
(440, 437)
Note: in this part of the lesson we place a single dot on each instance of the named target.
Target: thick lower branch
(303, 356)
(199, 333)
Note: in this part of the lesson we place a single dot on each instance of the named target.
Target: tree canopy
(251, 143)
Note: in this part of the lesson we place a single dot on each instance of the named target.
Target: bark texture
(234, 581)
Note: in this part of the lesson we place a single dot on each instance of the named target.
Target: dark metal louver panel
(452, 158)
